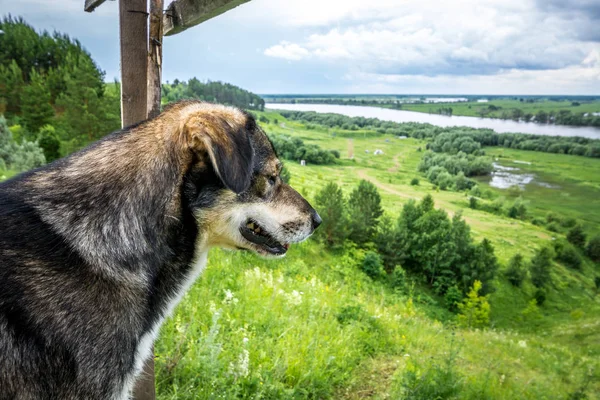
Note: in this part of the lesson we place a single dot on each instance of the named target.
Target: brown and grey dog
(96, 249)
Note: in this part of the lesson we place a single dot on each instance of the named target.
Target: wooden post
(133, 26)
(155, 57)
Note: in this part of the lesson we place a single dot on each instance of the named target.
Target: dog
(96, 249)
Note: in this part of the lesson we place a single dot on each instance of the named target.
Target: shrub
(474, 309)
(372, 265)
(540, 296)
(332, 207)
(515, 273)
(568, 222)
(364, 209)
(593, 249)
(567, 254)
(553, 227)
(285, 175)
(399, 279)
(475, 191)
(414, 182)
(540, 267)
(576, 236)
(473, 203)
(452, 298)
(49, 143)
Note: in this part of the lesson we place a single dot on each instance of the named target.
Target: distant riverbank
(498, 125)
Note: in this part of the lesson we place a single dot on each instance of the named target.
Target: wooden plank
(184, 14)
(91, 5)
(133, 26)
(155, 57)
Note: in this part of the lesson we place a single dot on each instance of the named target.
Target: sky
(360, 46)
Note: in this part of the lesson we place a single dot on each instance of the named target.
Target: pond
(498, 125)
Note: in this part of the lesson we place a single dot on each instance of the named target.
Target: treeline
(293, 148)
(485, 137)
(51, 91)
(217, 92)
(423, 243)
(560, 117)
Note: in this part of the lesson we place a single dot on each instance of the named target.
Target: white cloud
(287, 51)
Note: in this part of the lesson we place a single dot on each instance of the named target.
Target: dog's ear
(228, 146)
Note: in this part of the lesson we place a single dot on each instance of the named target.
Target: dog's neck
(126, 189)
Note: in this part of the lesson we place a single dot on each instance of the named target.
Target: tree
(515, 273)
(386, 241)
(474, 309)
(540, 267)
(35, 104)
(372, 265)
(11, 84)
(576, 236)
(364, 208)
(49, 143)
(593, 249)
(332, 208)
(8, 148)
(482, 267)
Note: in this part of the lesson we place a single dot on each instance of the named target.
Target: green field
(251, 328)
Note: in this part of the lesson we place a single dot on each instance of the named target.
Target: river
(498, 125)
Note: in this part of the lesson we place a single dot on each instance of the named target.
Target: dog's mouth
(257, 235)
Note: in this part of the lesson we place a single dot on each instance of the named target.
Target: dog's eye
(272, 180)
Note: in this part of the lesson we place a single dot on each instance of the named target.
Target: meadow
(314, 326)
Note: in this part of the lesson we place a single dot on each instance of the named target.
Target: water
(504, 177)
(498, 125)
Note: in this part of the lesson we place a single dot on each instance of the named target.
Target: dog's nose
(316, 219)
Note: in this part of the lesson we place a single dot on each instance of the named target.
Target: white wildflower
(522, 343)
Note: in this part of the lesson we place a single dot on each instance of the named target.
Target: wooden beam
(184, 14)
(133, 26)
(155, 57)
(91, 5)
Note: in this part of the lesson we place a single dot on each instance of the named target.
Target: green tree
(515, 273)
(474, 311)
(35, 105)
(576, 236)
(332, 209)
(11, 84)
(49, 143)
(386, 241)
(364, 209)
(8, 148)
(540, 267)
(593, 249)
(372, 265)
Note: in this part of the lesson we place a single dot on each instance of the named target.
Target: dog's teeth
(257, 230)
(250, 225)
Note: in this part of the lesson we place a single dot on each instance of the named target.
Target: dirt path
(362, 174)
(396, 161)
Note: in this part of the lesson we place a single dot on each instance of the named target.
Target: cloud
(287, 51)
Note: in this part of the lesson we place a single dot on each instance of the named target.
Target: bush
(474, 309)
(414, 182)
(452, 298)
(553, 227)
(372, 265)
(593, 249)
(49, 143)
(364, 210)
(399, 279)
(540, 296)
(285, 175)
(576, 236)
(567, 254)
(540, 267)
(473, 203)
(515, 273)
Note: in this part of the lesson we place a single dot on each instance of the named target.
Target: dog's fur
(97, 248)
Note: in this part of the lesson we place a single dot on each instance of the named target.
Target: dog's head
(234, 188)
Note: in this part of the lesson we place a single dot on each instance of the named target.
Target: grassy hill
(314, 326)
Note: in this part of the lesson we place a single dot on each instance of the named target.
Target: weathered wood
(133, 26)
(155, 57)
(184, 14)
(91, 5)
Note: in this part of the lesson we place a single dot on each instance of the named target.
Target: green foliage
(399, 279)
(438, 380)
(49, 143)
(18, 157)
(577, 236)
(567, 254)
(217, 92)
(331, 205)
(364, 210)
(474, 311)
(515, 272)
(540, 267)
(518, 209)
(473, 203)
(414, 182)
(293, 148)
(540, 295)
(531, 314)
(35, 104)
(593, 249)
(372, 265)
(453, 298)
(386, 241)
(285, 175)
